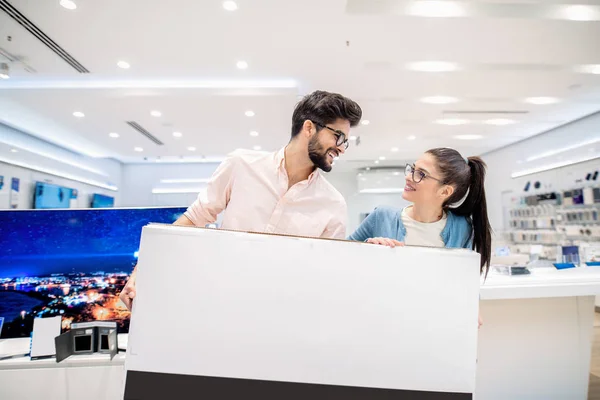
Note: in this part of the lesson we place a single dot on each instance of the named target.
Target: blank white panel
(304, 310)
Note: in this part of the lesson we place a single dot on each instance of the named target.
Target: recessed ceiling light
(468, 137)
(500, 121)
(382, 158)
(155, 113)
(542, 100)
(78, 114)
(439, 100)
(436, 9)
(254, 133)
(395, 149)
(257, 148)
(14, 150)
(396, 173)
(580, 13)
(588, 69)
(432, 66)
(411, 137)
(68, 4)
(249, 113)
(138, 149)
(123, 64)
(352, 137)
(113, 135)
(191, 148)
(242, 64)
(177, 134)
(230, 5)
(376, 161)
(365, 122)
(452, 121)
(368, 168)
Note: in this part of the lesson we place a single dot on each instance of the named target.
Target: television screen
(51, 196)
(72, 263)
(102, 201)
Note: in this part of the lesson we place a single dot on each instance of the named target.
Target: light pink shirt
(252, 188)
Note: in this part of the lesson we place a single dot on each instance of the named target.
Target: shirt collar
(279, 162)
(279, 157)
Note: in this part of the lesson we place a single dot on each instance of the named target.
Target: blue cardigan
(387, 222)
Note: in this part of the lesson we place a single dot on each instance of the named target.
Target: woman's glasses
(417, 174)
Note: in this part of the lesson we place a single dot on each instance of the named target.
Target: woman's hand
(385, 242)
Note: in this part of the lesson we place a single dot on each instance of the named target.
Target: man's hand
(128, 293)
(385, 242)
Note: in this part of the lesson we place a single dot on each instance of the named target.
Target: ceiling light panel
(542, 100)
(468, 137)
(436, 9)
(452, 121)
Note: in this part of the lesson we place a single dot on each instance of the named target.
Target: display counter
(90, 377)
(536, 339)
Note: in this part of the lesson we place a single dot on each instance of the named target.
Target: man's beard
(318, 155)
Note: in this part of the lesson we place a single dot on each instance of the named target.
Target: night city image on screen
(72, 263)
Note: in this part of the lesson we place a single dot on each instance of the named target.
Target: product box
(230, 315)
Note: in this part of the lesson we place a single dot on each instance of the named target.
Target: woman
(448, 207)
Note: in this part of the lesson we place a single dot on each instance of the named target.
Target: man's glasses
(417, 174)
(339, 136)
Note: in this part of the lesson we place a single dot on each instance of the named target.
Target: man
(281, 192)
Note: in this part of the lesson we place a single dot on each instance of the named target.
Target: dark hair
(467, 175)
(325, 108)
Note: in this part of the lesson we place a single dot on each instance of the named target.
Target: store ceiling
(183, 55)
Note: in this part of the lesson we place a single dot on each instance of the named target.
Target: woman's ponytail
(475, 205)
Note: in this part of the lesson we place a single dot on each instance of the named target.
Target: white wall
(34, 156)
(502, 163)
(138, 180)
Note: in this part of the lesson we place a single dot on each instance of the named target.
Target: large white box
(230, 315)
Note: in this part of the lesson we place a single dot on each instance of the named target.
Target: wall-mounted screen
(72, 263)
(48, 195)
(102, 201)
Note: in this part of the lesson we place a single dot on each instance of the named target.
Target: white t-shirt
(423, 233)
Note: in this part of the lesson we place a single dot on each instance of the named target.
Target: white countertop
(543, 282)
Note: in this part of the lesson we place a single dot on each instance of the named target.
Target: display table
(90, 377)
(537, 335)
(535, 344)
